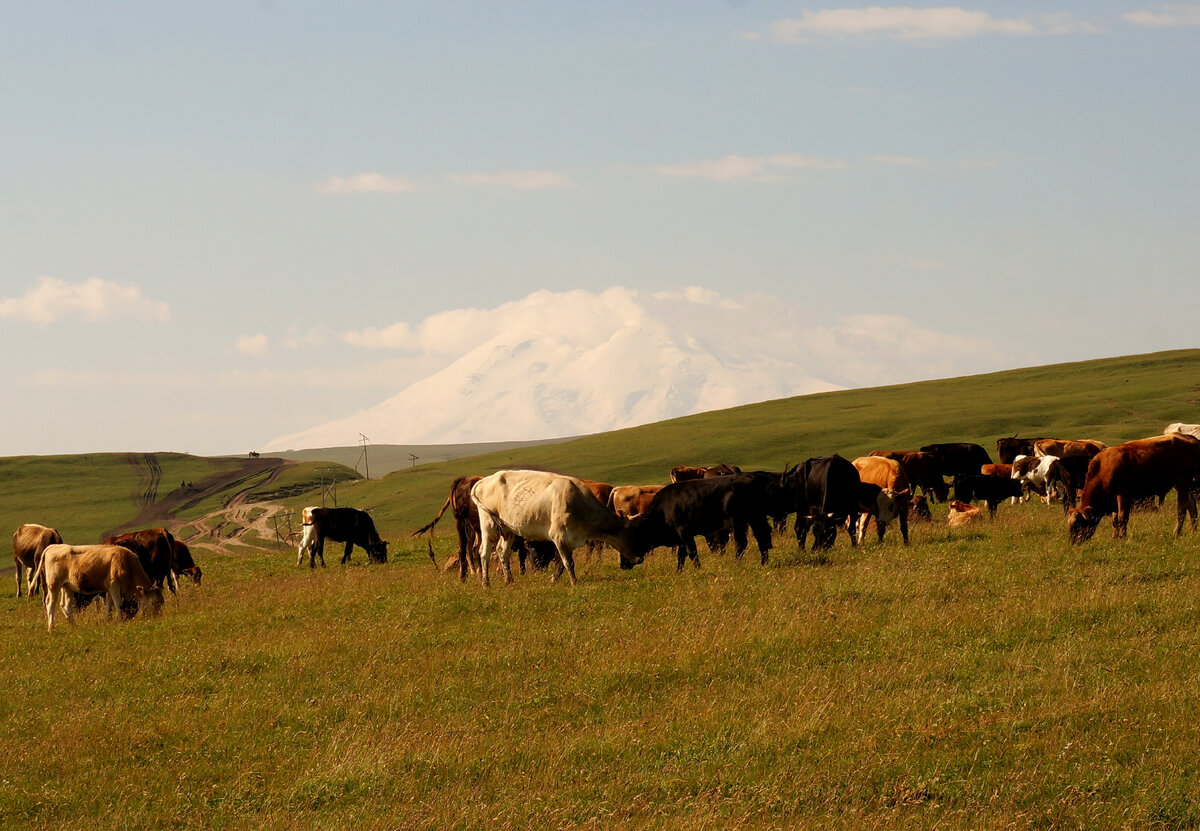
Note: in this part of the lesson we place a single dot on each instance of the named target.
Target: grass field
(989, 678)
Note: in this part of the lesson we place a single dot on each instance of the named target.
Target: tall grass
(987, 679)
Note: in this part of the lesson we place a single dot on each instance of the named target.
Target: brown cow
(1066, 448)
(89, 570)
(922, 470)
(29, 541)
(1119, 476)
(182, 562)
(683, 474)
(1004, 470)
(466, 522)
(630, 500)
(895, 495)
(155, 548)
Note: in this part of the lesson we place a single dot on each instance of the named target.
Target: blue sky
(213, 201)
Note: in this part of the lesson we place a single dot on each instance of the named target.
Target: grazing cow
(1192, 430)
(826, 490)
(1011, 447)
(962, 514)
(348, 525)
(1038, 474)
(29, 541)
(684, 510)
(538, 505)
(683, 474)
(1119, 476)
(89, 570)
(969, 487)
(183, 564)
(630, 500)
(894, 498)
(1072, 473)
(466, 523)
(1067, 448)
(155, 548)
(922, 470)
(954, 458)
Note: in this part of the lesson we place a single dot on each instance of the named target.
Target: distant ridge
(382, 459)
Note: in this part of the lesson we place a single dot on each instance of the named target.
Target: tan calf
(94, 569)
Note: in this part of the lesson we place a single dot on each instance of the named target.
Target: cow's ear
(1086, 513)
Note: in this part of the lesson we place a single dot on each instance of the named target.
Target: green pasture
(991, 677)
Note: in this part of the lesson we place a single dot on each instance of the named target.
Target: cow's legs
(740, 542)
(762, 537)
(487, 541)
(506, 544)
(49, 601)
(349, 548)
(1121, 517)
(904, 524)
(802, 533)
(464, 547)
(21, 577)
(567, 561)
(66, 602)
(1184, 505)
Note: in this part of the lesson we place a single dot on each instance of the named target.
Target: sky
(218, 220)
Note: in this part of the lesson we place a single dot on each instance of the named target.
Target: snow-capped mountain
(565, 365)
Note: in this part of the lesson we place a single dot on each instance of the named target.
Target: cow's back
(882, 471)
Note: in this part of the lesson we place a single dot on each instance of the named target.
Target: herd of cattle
(548, 516)
(128, 570)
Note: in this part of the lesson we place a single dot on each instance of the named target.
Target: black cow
(993, 490)
(1010, 447)
(348, 525)
(1072, 471)
(682, 511)
(182, 562)
(954, 458)
(826, 489)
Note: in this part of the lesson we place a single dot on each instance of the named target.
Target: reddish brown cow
(922, 470)
(29, 541)
(630, 500)
(466, 522)
(683, 474)
(1119, 476)
(996, 470)
(155, 548)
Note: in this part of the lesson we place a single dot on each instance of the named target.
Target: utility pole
(413, 458)
(362, 457)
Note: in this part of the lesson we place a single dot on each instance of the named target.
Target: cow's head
(1081, 525)
(194, 574)
(377, 553)
(151, 600)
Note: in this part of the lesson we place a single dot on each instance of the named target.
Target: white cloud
(253, 344)
(50, 300)
(733, 168)
(898, 161)
(1168, 17)
(520, 179)
(367, 183)
(913, 24)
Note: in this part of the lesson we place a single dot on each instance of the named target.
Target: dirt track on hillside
(219, 530)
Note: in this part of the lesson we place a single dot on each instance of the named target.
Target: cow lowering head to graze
(155, 548)
(713, 508)
(826, 493)
(1119, 476)
(971, 487)
(29, 541)
(466, 523)
(922, 470)
(538, 505)
(88, 570)
(1067, 448)
(1011, 447)
(1040, 475)
(684, 474)
(348, 525)
(895, 496)
(954, 458)
(182, 563)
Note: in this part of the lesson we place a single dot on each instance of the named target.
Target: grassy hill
(989, 678)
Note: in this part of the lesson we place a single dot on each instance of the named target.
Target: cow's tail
(432, 558)
(35, 582)
(429, 527)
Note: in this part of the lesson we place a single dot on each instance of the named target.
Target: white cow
(545, 506)
(1039, 474)
(309, 538)
(1192, 430)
